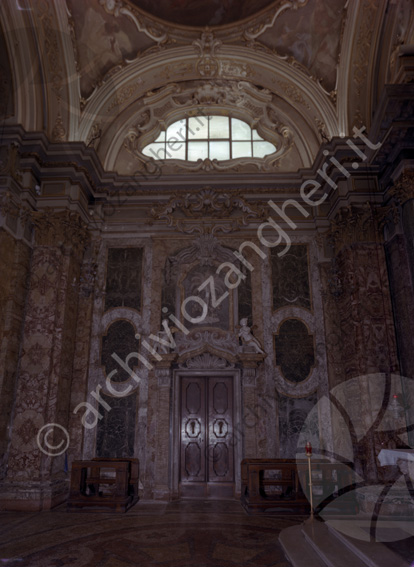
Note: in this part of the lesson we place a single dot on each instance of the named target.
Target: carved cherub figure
(247, 337)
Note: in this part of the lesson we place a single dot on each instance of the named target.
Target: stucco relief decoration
(207, 361)
(207, 46)
(259, 27)
(207, 212)
(239, 99)
(212, 340)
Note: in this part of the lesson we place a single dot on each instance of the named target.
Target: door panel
(207, 460)
(193, 415)
(220, 429)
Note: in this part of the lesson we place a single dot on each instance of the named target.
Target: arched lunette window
(209, 137)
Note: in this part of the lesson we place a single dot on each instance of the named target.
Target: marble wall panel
(115, 435)
(290, 277)
(101, 321)
(292, 416)
(124, 278)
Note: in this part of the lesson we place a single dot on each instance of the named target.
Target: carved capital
(250, 360)
(354, 224)
(403, 189)
(64, 228)
(10, 162)
(165, 363)
(8, 206)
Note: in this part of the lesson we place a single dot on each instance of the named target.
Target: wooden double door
(206, 437)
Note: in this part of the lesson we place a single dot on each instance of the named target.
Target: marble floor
(179, 534)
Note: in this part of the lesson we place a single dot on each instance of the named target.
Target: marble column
(400, 257)
(34, 479)
(362, 324)
(14, 261)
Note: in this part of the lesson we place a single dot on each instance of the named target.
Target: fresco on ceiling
(202, 12)
(312, 36)
(103, 42)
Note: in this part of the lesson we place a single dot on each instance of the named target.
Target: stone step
(373, 554)
(330, 550)
(297, 549)
(314, 544)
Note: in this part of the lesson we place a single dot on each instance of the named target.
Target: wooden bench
(282, 485)
(104, 484)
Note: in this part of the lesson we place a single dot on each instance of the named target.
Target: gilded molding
(207, 46)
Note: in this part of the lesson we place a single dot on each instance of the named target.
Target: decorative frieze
(226, 212)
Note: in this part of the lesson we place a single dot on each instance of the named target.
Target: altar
(403, 458)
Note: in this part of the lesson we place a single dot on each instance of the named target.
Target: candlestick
(308, 449)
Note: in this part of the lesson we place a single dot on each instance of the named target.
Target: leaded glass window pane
(240, 130)
(161, 137)
(219, 127)
(242, 149)
(176, 131)
(215, 137)
(198, 128)
(176, 149)
(197, 150)
(262, 149)
(220, 150)
(156, 151)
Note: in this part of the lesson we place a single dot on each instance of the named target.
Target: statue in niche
(247, 338)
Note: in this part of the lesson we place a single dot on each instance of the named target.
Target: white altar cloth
(404, 458)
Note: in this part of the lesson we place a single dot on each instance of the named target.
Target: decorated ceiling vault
(195, 308)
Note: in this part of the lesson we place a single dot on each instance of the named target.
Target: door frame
(175, 424)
